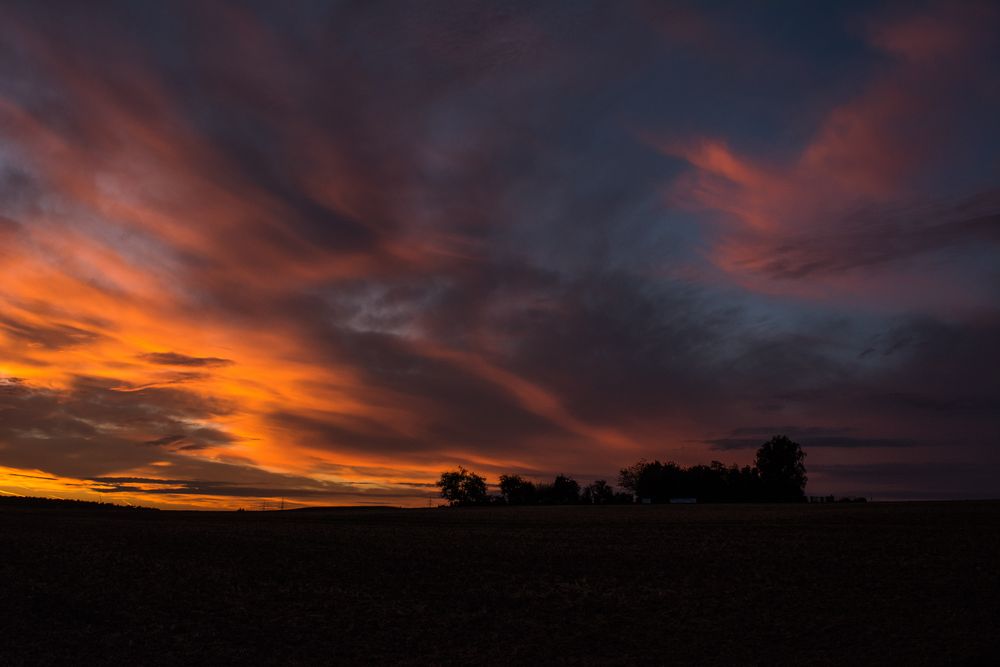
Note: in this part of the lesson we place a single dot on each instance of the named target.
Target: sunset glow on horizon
(325, 251)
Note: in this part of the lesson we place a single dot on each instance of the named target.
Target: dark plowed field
(838, 584)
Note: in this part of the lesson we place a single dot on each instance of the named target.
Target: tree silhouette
(780, 464)
(562, 491)
(778, 475)
(655, 481)
(658, 482)
(565, 490)
(598, 493)
(628, 478)
(461, 487)
(516, 490)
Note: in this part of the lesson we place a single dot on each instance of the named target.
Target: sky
(323, 251)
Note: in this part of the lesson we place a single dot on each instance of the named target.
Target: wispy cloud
(175, 359)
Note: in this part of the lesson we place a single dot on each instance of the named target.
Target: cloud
(814, 436)
(92, 430)
(308, 489)
(937, 33)
(92, 427)
(49, 336)
(854, 198)
(175, 359)
(872, 239)
(939, 480)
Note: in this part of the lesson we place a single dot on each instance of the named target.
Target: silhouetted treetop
(516, 490)
(461, 487)
(778, 475)
(598, 493)
(780, 464)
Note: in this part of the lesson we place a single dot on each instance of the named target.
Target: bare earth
(839, 584)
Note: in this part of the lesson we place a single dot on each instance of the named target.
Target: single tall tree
(461, 487)
(780, 464)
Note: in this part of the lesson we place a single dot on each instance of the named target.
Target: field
(837, 584)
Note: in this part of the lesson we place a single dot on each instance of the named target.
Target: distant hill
(66, 503)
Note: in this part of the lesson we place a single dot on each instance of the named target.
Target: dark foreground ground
(838, 584)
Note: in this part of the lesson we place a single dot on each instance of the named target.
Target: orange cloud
(856, 185)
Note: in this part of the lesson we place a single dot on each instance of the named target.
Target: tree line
(778, 474)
